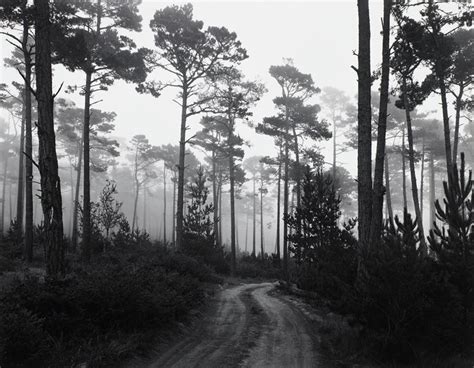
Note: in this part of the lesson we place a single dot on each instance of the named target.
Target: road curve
(250, 326)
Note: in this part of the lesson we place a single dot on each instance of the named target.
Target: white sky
(320, 36)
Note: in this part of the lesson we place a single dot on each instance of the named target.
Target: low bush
(99, 313)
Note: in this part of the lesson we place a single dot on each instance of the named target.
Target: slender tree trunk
(21, 173)
(232, 195)
(422, 169)
(404, 173)
(215, 199)
(446, 127)
(71, 215)
(29, 153)
(246, 232)
(164, 202)
(364, 157)
(378, 192)
(173, 234)
(285, 209)
(278, 219)
(220, 209)
(135, 203)
(456, 127)
(10, 202)
(411, 156)
(4, 189)
(51, 200)
(261, 223)
(334, 154)
(254, 232)
(182, 152)
(144, 208)
(75, 213)
(432, 190)
(86, 198)
(297, 163)
(388, 192)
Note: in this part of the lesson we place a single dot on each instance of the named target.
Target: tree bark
(28, 148)
(404, 173)
(334, 154)
(164, 202)
(457, 123)
(4, 190)
(232, 194)
(378, 191)
(75, 214)
(254, 232)
(261, 222)
(220, 209)
(446, 128)
(422, 169)
(173, 234)
(388, 192)
(51, 200)
(86, 198)
(278, 219)
(285, 209)
(432, 191)
(364, 157)
(21, 171)
(411, 156)
(215, 199)
(182, 152)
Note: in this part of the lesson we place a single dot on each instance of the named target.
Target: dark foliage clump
(408, 307)
(253, 267)
(199, 240)
(324, 252)
(100, 313)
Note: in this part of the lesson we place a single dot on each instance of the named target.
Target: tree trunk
(75, 214)
(232, 194)
(422, 169)
(28, 148)
(297, 164)
(456, 127)
(86, 199)
(173, 234)
(285, 210)
(182, 153)
(215, 200)
(254, 232)
(278, 219)
(378, 191)
(48, 163)
(220, 209)
(135, 203)
(4, 190)
(404, 173)
(334, 154)
(164, 202)
(246, 232)
(21, 171)
(432, 191)
(261, 222)
(364, 157)
(411, 156)
(446, 128)
(388, 192)
(144, 208)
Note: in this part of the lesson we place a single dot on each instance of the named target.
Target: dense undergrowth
(101, 313)
(397, 304)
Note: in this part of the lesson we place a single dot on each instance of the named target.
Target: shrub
(100, 312)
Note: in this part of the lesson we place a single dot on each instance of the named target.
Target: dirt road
(250, 326)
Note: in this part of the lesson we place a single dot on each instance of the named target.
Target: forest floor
(246, 325)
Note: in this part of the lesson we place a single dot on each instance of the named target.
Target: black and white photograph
(236, 184)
